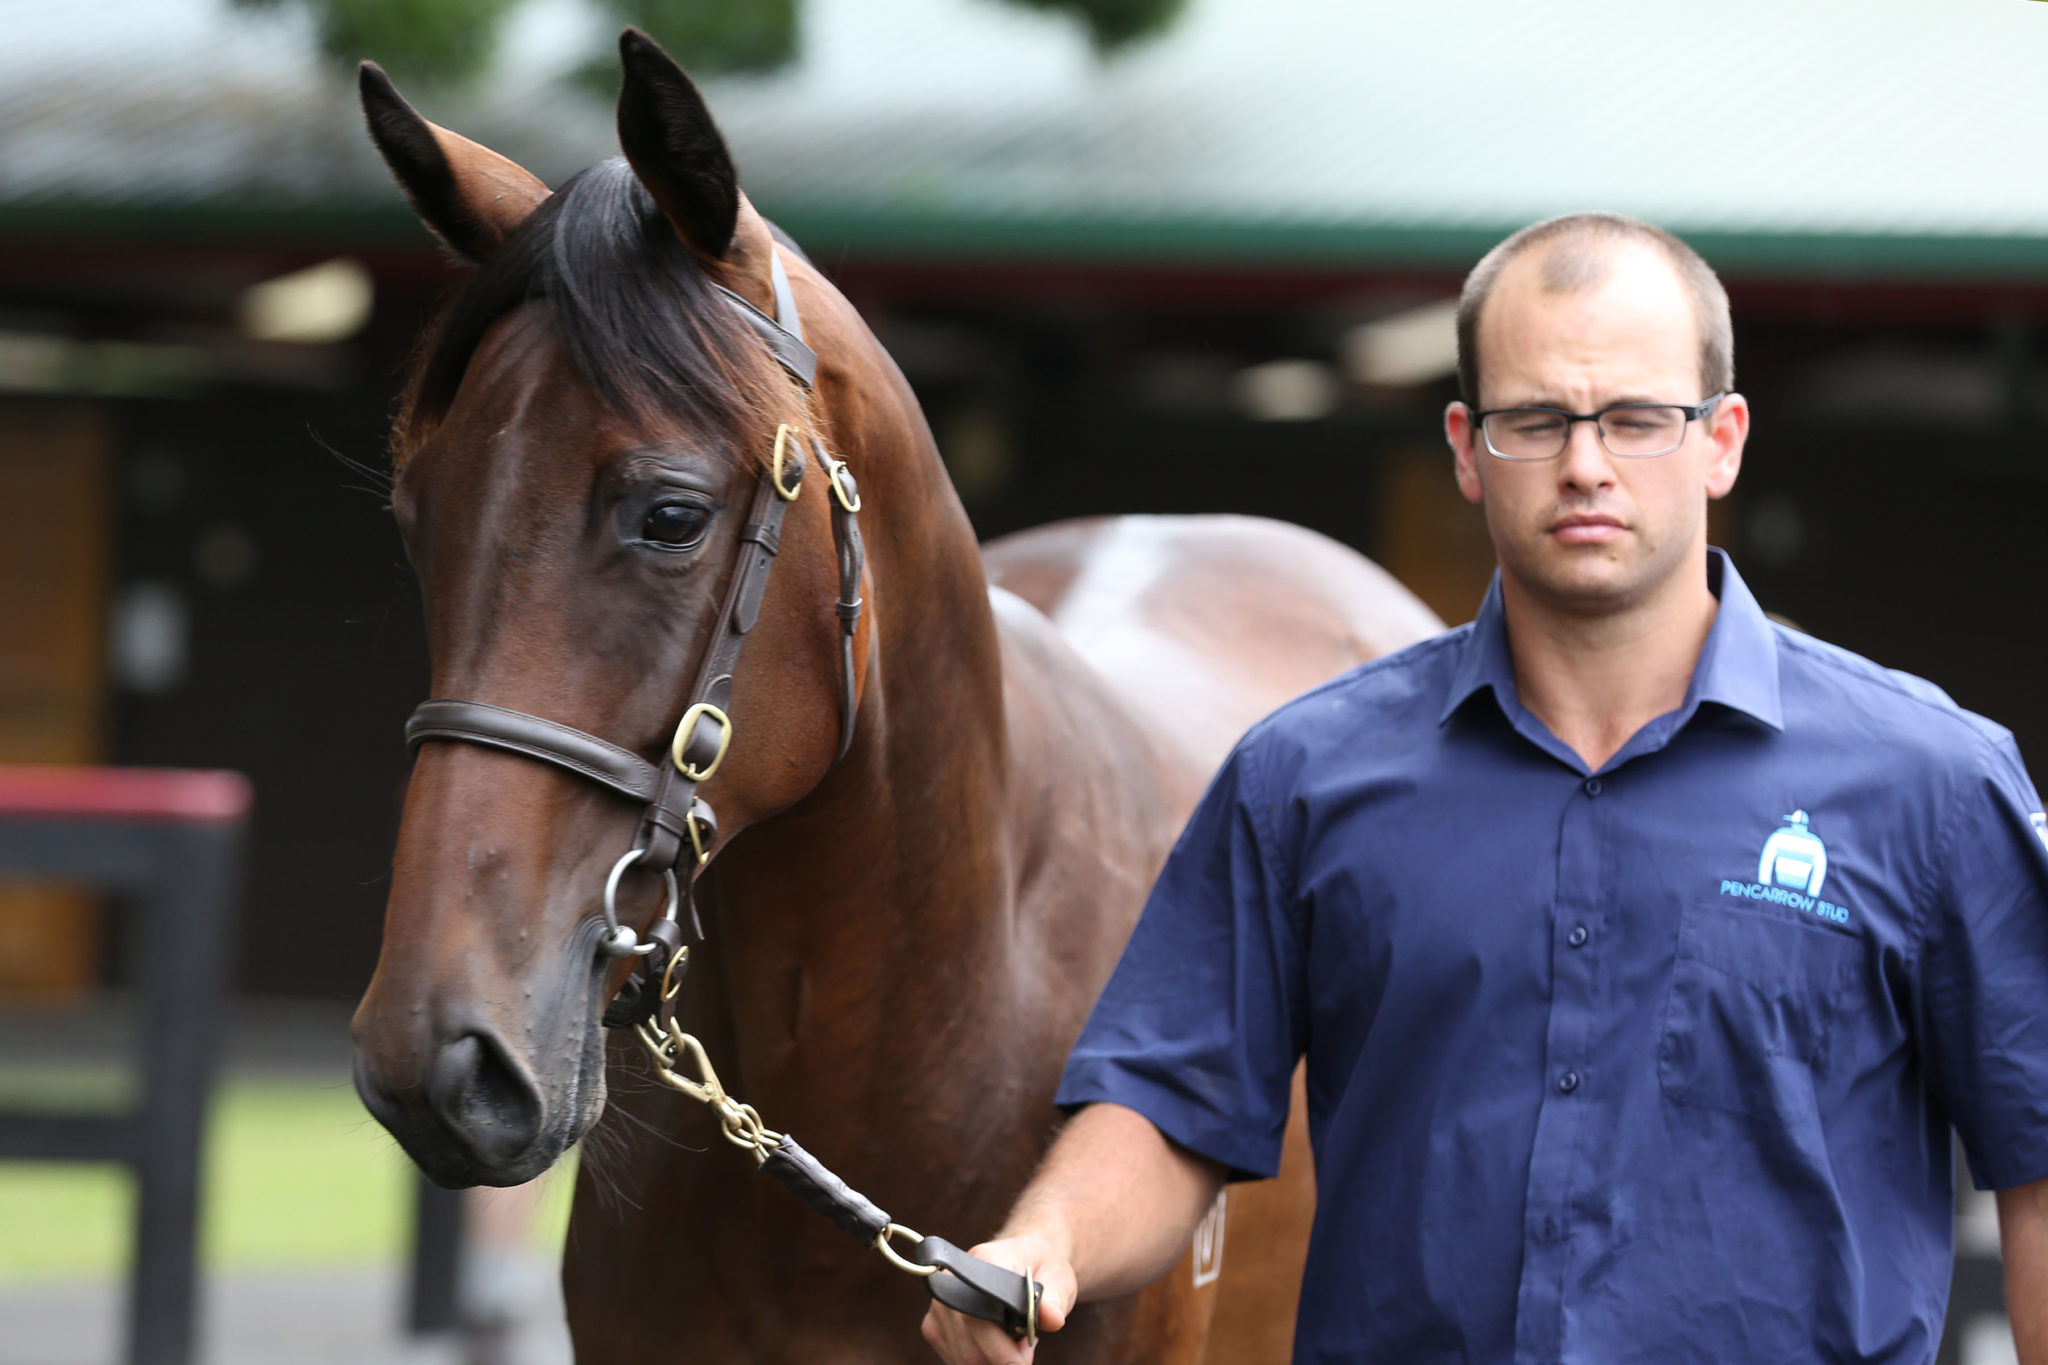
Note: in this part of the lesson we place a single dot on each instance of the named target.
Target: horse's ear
(675, 148)
(470, 196)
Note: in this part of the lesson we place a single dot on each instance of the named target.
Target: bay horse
(914, 891)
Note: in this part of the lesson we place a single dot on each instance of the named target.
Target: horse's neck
(886, 882)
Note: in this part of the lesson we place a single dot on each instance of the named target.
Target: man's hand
(961, 1340)
(1110, 1210)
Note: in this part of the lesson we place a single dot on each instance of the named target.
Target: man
(1642, 952)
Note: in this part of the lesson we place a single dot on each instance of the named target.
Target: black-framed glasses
(1629, 431)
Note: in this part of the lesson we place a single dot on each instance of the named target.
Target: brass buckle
(834, 469)
(696, 829)
(671, 984)
(686, 728)
(782, 434)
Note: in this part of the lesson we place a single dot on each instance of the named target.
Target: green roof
(1890, 138)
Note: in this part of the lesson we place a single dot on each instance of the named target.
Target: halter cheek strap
(678, 830)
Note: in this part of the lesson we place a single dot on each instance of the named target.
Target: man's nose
(1585, 462)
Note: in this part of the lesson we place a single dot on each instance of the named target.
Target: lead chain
(741, 1123)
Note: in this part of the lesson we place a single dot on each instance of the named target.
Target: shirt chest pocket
(1752, 998)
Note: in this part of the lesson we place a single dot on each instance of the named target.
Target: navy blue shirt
(1655, 1063)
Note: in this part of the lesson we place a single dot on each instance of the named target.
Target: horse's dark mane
(637, 315)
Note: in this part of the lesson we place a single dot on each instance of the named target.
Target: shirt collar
(1737, 668)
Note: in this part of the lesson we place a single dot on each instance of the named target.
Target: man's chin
(1592, 579)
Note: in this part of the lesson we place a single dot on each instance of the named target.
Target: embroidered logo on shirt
(1791, 871)
(1794, 857)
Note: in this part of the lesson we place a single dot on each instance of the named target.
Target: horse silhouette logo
(1794, 857)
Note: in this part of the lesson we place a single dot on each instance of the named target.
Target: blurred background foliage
(713, 35)
(1115, 23)
(448, 42)
(452, 42)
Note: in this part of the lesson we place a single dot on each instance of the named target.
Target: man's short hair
(1581, 250)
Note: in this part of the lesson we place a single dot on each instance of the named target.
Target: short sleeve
(1984, 972)
(1203, 1020)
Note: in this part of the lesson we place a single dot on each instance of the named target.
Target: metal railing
(170, 843)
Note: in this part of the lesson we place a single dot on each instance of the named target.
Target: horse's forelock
(636, 314)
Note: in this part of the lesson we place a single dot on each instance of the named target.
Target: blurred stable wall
(196, 576)
(54, 566)
(299, 652)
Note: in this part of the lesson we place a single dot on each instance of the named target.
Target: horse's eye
(675, 523)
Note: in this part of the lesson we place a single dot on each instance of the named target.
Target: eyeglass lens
(1539, 434)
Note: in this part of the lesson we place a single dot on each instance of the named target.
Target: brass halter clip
(667, 1048)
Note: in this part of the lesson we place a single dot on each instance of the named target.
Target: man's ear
(1460, 432)
(1728, 432)
(675, 148)
(471, 197)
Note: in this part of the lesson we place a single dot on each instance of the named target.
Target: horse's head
(579, 450)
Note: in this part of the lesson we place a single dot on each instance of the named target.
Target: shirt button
(1550, 1229)
(1567, 1082)
(1592, 786)
(1578, 936)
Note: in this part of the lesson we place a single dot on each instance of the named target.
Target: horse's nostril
(372, 1093)
(481, 1096)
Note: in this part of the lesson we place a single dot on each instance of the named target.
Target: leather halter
(678, 829)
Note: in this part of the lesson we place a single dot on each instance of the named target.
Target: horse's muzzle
(479, 1120)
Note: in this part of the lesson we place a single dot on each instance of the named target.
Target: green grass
(297, 1175)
